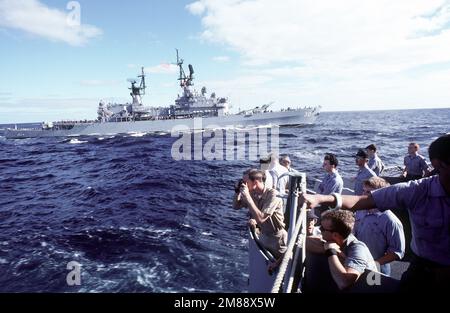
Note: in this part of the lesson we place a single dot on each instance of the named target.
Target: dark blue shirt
(429, 211)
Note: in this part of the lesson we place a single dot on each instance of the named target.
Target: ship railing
(292, 267)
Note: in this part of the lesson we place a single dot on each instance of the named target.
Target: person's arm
(395, 237)
(404, 172)
(344, 277)
(352, 203)
(425, 168)
(237, 201)
(388, 258)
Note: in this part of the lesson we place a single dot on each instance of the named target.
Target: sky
(58, 59)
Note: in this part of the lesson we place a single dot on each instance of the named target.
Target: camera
(238, 186)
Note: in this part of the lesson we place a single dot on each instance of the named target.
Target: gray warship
(192, 110)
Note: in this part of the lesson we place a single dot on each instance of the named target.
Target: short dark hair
(331, 158)
(440, 149)
(246, 172)
(255, 172)
(342, 221)
(372, 147)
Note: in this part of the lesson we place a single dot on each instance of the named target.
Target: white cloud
(334, 47)
(196, 8)
(34, 17)
(326, 32)
(221, 59)
(164, 68)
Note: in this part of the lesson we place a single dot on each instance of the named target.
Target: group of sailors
(359, 232)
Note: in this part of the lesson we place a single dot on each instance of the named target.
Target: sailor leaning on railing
(266, 210)
(428, 203)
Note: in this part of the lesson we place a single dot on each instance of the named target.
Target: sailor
(348, 257)
(264, 165)
(311, 221)
(428, 203)
(285, 161)
(364, 171)
(415, 165)
(375, 163)
(332, 181)
(277, 171)
(382, 232)
(266, 210)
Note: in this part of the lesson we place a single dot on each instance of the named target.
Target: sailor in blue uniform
(364, 172)
(415, 165)
(332, 181)
(375, 163)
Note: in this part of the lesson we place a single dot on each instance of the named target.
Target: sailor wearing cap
(265, 164)
(364, 172)
(311, 221)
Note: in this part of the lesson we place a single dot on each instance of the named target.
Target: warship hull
(298, 117)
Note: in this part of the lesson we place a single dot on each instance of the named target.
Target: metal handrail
(294, 231)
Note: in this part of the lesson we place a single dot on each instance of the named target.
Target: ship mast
(138, 91)
(142, 86)
(185, 81)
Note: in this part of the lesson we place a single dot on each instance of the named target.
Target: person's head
(311, 221)
(330, 162)
(439, 153)
(245, 175)
(265, 163)
(285, 160)
(371, 150)
(337, 225)
(274, 160)
(256, 180)
(374, 183)
(413, 148)
(361, 158)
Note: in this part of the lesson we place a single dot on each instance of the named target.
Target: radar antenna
(185, 81)
(138, 91)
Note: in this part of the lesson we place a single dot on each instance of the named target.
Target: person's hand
(311, 200)
(245, 193)
(252, 223)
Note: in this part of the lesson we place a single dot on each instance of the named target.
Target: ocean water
(138, 221)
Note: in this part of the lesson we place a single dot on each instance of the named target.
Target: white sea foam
(137, 134)
(76, 141)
